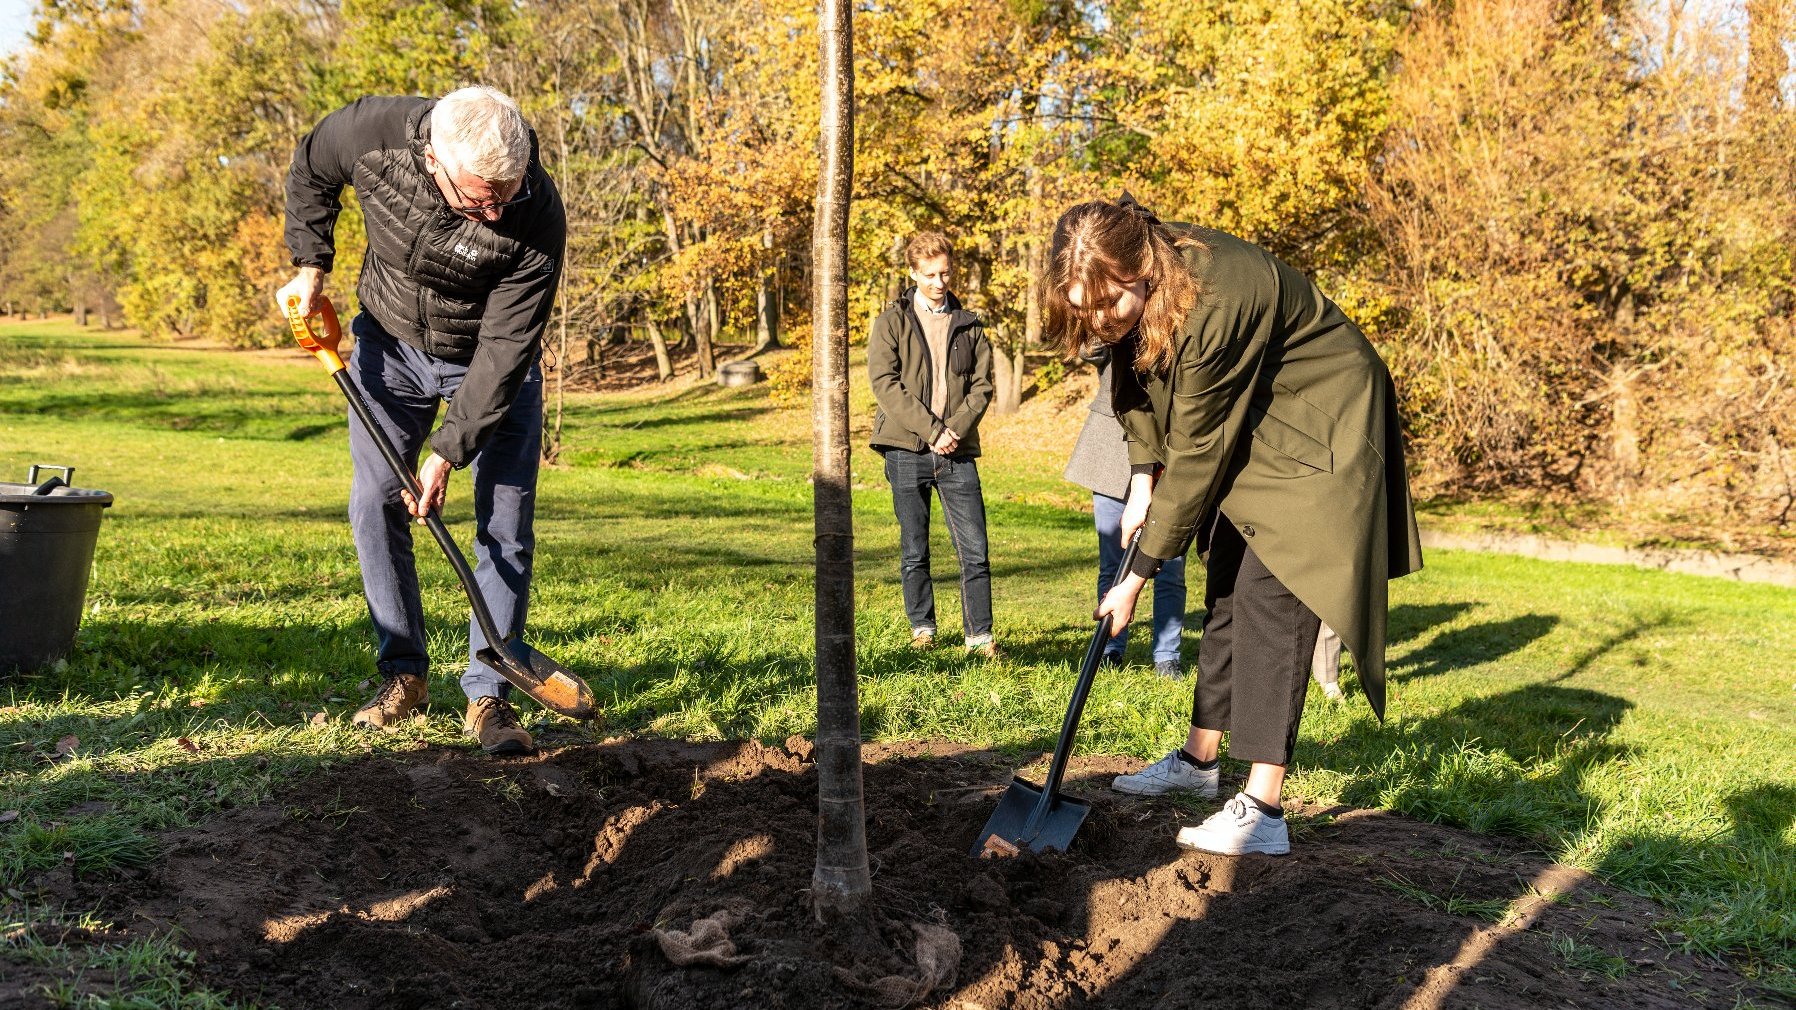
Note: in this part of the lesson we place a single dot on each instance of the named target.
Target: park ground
(1585, 790)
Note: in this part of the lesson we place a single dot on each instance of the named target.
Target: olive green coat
(901, 372)
(1278, 411)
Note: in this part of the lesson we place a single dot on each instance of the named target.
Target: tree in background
(1567, 224)
(1592, 257)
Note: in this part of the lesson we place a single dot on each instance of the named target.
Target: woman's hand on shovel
(433, 479)
(1119, 603)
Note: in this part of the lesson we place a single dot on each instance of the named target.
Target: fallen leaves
(65, 749)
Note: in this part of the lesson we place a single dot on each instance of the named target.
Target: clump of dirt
(665, 874)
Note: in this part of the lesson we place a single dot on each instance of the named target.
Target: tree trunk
(767, 320)
(707, 330)
(551, 447)
(1007, 377)
(1035, 255)
(841, 882)
(663, 362)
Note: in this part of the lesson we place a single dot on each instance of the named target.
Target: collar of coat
(958, 315)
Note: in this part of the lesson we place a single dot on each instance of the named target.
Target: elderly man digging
(465, 237)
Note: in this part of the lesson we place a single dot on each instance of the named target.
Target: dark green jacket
(1278, 411)
(899, 366)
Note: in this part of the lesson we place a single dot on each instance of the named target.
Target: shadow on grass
(1479, 644)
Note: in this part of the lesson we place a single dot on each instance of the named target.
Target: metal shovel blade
(543, 679)
(1017, 824)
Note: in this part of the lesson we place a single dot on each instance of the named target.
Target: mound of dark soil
(577, 878)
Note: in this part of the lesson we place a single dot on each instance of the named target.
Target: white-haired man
(465, 239)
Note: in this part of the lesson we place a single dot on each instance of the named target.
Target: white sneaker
(1167, 775)
(1236, 830)
(1332, 691)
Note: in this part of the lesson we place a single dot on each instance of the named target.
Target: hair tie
(1128, 202)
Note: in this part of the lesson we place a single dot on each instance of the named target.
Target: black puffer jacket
(461, 290)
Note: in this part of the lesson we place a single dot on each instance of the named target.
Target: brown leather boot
(399, 696)
(494, 723)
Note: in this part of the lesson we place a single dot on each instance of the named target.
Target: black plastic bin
(47, 535)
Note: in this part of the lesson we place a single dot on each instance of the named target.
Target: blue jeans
(913, 475)
(1169, 585)
(404, 386)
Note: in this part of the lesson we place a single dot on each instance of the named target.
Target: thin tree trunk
(1035, 255)
(767, 322)
(552, 445)
(663, 361)
(707, 331)
(841, 882)
(1007, 377)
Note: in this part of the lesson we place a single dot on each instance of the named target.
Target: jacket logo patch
(549, 265)
(466, 251)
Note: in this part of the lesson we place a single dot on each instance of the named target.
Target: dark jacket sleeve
(979, 390)
(511, 333)
(322, 165)
(885, 372)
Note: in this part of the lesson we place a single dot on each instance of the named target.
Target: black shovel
(1039, 818)
(543, 679)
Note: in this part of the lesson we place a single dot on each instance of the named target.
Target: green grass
(1639, 724)
(1452, 903)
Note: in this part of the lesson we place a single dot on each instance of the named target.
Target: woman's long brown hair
(1099, 243)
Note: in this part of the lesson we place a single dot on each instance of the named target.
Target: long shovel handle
(431, 519)
(1069, 727)
(322, 344)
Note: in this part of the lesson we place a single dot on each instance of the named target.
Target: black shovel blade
(547, 682)
(1009, 830)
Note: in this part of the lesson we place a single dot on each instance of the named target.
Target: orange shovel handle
(322, 345)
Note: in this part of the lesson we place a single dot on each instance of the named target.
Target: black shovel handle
(1069, 727)
(435, 522)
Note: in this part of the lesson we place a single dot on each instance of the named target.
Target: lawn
(1638, 724)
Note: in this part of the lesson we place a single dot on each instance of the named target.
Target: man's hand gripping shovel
(531, 672)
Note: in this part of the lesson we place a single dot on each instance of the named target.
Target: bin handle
(68, 474)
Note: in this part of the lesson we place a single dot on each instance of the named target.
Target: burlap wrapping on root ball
(707, 943)
(938, 959)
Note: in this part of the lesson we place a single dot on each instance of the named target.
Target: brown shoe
(922, 640)
(399, 696)
(494, 723)
(987, 651)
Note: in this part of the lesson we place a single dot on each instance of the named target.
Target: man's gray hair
(480, 130)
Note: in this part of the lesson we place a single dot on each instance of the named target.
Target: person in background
(1276, 424)
(931, 369)
(1325, 664)
(1100, 464)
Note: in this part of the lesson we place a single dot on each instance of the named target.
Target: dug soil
(665, 874)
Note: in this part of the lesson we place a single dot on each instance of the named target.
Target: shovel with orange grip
(531, 672)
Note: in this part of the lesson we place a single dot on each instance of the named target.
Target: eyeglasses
(477, 211)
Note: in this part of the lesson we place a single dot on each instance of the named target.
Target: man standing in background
(465, 239)
(931, 369)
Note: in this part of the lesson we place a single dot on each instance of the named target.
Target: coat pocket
(960, 353)
(1292, 442)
